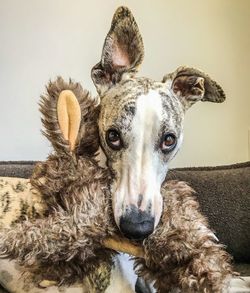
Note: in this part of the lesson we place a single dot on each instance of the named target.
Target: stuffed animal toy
(66, 231)
(60, 239)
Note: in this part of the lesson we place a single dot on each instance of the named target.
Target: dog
(141, 129)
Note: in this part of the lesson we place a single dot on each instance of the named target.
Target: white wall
(40, 39)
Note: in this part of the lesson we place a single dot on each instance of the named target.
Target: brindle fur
(182, 253)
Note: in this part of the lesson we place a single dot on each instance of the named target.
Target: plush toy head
(141, 123)
(70, 118)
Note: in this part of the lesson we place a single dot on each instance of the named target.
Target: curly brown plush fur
(183, 253)
(66, 244)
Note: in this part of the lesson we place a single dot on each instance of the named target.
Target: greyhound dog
(141, 123)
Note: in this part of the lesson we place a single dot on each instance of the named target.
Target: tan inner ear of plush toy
(69, 116)
(124, 245)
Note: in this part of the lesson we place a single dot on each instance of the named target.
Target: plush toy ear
(191, 85)
(70, 118)
(122, 51)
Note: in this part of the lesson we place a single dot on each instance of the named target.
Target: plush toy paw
(183, 252)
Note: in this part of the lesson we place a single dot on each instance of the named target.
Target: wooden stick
(124, 245)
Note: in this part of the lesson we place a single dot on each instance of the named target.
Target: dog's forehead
(141, 96)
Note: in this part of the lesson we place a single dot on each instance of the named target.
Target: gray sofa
(224, 196)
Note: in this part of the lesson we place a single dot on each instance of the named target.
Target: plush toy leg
(117, 244)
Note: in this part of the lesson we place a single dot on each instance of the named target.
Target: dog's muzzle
(137, 224)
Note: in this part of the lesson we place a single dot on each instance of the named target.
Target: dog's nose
(136, 224)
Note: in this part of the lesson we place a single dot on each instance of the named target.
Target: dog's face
(141, 131)
(141, 123)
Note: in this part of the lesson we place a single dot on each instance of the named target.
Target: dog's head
(141, 123)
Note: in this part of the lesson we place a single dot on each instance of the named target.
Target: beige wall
(40, 39)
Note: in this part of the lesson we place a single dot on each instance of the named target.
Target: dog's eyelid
(165, 131)
(114, 127)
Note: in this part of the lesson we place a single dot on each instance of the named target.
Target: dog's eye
(168, 142)
(113, 139)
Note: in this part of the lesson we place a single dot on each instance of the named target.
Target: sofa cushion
(21, 169)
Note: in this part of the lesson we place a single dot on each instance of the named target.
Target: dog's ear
(191, 85)
(122, 51)
(69, 117)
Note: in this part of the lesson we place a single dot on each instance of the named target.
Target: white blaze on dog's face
(141, 123)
